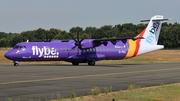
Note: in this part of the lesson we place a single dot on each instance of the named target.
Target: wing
(98, 42)
(115, 39)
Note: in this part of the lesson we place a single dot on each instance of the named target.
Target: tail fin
(152, 31)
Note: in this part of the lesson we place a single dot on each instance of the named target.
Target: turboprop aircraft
(90, 50)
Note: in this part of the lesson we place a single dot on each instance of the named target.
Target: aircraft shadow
(81, 65)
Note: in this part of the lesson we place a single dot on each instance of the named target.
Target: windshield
(15, 47)
(19, 47)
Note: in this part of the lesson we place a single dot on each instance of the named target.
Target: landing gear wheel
(75, 63)
(15, 64)
(91, 63)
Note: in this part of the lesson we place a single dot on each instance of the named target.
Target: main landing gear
(75, 63)
(90, 63)
(16, 63)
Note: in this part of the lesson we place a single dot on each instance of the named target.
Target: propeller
(77, 41)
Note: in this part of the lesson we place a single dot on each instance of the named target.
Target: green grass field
(157, 93)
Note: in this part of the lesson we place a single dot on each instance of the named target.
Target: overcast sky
(22, 15)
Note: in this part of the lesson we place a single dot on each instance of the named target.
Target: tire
(75, 63)
(15, 64)
(91, 63)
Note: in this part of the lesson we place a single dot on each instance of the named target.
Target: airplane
(89, 51)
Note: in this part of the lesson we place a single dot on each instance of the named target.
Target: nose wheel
(16, 63)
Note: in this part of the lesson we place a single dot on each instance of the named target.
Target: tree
(28, 35)
(89, 31)
(169, 37)
(40, 34)
(16, 38)
(3, 35)
(76, 31)
(3, 42)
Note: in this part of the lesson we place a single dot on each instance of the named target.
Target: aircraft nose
(8, 55)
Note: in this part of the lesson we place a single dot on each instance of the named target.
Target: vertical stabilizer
(151, 34)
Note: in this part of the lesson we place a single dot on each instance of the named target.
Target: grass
(2, 58)
(157, 93)
(162, 93)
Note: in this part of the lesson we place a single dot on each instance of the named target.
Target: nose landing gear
(16, 63)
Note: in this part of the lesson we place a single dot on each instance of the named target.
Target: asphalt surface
(49, 81)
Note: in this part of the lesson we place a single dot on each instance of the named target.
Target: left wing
(98, 42)
(115, 39)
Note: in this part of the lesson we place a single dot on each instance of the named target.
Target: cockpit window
(22, 47)
(15, 47)
(19, 47)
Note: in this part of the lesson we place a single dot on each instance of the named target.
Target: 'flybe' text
(152, 32)
(45, 51)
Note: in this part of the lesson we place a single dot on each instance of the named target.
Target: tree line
(169, 36)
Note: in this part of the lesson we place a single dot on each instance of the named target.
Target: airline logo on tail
(152, 32)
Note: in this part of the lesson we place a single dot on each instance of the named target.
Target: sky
(17, 16)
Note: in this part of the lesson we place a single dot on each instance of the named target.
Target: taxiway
(38, 81)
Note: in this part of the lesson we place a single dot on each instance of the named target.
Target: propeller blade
(78, 36)
(77, 41)
(73, 47)
(81, 40)
(73, 38)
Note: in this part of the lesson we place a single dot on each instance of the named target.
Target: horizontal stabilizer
(156, 20)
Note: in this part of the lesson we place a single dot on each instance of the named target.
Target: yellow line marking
(83, 76)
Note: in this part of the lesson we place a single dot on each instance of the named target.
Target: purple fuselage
(62, 51)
